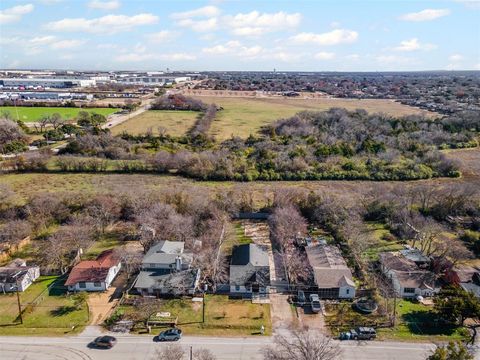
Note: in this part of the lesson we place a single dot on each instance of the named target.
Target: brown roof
(329, 267)
(465, 273)
(92, 270)
(396, 262)
(420, 279)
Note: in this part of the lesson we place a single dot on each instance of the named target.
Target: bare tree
(302, 345)
(203, 354)
(171, 352)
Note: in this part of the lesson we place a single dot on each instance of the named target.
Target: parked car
(170, 335)
(301, 299)
(315, 303)
(106, 342)
(360, 333)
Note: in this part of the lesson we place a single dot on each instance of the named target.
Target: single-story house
(17, 275)
(468, 278)
(408, 279)
(332, 276)
(94, 275)
(249, 270)
(166, 269)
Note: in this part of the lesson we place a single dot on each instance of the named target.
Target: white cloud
(206, 11)
(235, 48)
(199, 25)
(104, 5)
(107, 46)
(67, 44)
(353, 57)
(470, 4)
(334, 37)
(425, 15)
(413, 44)
(455, 57)
(255, 23)
(42, 40)
(108, 24)
(15, 13)
(162, 36)
(284, 56)
(324, 55)
(135, 57)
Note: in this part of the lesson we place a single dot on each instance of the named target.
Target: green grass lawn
(384, 241)
(32, 114)
(244, 116)
(106, 242)
(176, 123)
(53, 315)
(223, 316)
(415, 322)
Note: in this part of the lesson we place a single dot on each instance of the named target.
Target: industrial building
(153, 80)
(45, 82)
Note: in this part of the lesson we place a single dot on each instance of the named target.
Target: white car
(315, 303)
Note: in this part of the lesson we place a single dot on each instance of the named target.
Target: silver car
(315, 303)
(170, 335)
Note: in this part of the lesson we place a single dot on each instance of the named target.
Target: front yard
(45, 312)
(223, 316)
(415, 322)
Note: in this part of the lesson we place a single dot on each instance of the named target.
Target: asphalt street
(143, 347)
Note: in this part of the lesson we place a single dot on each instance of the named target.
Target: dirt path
(101, 304)
(283, 315)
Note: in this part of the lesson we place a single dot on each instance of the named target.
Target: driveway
(102, 304)
(283, 315)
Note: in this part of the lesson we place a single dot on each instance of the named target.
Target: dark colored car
(106, 342)
(360, 333)
(170, 335)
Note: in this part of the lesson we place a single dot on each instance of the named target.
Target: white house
(330, 271)
(249, 270)
(94, 275)
(408, 280)
(166, 269)
(17, 275)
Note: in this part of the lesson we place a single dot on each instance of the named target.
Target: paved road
(142, 347)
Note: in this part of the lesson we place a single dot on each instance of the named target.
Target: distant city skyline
(245, 35)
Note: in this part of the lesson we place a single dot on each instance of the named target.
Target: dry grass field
(244, 116)
(176, 123)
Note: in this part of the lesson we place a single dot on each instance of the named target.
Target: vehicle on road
(360, 333)
(170, 335)
(106, 342)
(315, 303)
(301, 299)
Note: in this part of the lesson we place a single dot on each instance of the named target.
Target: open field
(223, 317)
(54, 314)
(32, 114)
(244, 116)
(30, 183)
(176, 123)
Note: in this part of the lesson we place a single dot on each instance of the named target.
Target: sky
(288, 35)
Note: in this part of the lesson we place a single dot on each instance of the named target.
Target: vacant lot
(245, 116)
(223, 317)
(175, 123)
(32, 114)
(53, 312)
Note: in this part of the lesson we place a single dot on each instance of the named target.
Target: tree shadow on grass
(63, 310)
(427, 323)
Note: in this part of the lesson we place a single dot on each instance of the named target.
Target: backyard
(33, 114)
(48, 309)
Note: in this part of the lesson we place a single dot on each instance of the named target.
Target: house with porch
(167, 270)
(333, 278)
(17, 276)
(407, 278)
(249, 270)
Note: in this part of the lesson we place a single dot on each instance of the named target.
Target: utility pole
(19, 305)
(191, 352)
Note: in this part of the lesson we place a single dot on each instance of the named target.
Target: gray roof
(164, 252)
(249, 264)
(178, 282)
(249, 254)
(471, 287)
(329, 267)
